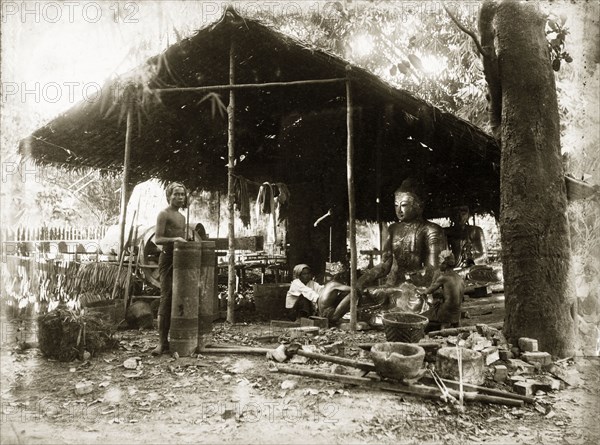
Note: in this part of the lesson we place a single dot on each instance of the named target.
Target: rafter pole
(249, 86)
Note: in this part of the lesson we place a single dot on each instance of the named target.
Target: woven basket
(404, 327)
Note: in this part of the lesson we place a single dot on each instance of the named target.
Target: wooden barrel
(184, 308)
(206, 305)
(150, 252)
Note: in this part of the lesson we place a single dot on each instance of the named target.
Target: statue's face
(407, 207)
(461, 215)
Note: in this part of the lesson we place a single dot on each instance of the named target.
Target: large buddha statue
(412, 249)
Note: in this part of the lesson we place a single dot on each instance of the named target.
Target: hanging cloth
(282, 201)
(242, 199)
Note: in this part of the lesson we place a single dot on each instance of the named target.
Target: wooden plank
(254, 243)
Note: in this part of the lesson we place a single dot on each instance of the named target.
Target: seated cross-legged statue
(410, 255)
(467, 242)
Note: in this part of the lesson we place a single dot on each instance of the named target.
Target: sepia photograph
(304, 221)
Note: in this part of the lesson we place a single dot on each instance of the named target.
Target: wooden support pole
(230, 193)
(125, 180)
(351, 210)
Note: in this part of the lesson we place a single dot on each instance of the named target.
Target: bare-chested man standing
(170, 227)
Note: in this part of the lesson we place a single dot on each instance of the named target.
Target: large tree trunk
(533, 221)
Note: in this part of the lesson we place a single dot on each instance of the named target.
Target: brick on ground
(320, 322)
(546, 383)
(515, 364)
(284, 324)
(528, 344)
(505, 355)
(490, 355)
(524, 388)
(500, 373)
(539, 358)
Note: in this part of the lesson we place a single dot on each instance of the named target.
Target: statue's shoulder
(431, 226)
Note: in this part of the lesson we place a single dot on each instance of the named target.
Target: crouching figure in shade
(467, 242)
(446, 308)
(306, 296)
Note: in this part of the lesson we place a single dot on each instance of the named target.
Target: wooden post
(351, 210)
(230, 195)
(125, 181)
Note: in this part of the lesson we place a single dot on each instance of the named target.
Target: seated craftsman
(305, 295)
(303, 292)
(446, 308)
(334, 299)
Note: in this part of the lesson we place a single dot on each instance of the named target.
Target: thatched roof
(284, 134)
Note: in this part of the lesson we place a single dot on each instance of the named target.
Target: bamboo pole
(351, 210)
(125, 181)
(246, 86)
(230, 195)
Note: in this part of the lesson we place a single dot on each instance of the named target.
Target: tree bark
(533, 221)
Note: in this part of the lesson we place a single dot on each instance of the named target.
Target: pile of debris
(524, 368)
(473, 363)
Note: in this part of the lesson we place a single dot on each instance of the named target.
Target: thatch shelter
(291, 134)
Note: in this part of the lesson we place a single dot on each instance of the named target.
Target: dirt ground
(238, 399)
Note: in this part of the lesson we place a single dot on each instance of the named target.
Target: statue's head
(460, 214)
(176, 195)
(408, 201)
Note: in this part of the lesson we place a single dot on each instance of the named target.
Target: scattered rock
(569, 376)
(514, 364)
(84, 387)
(132, 363)
(491, 355)
(289, 384)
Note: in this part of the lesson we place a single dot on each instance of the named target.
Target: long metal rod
(230, 194)
(351, 210)
(247, 86)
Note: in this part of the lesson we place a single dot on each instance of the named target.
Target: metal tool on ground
(446, 396)
(290, 351)
(414, 390)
